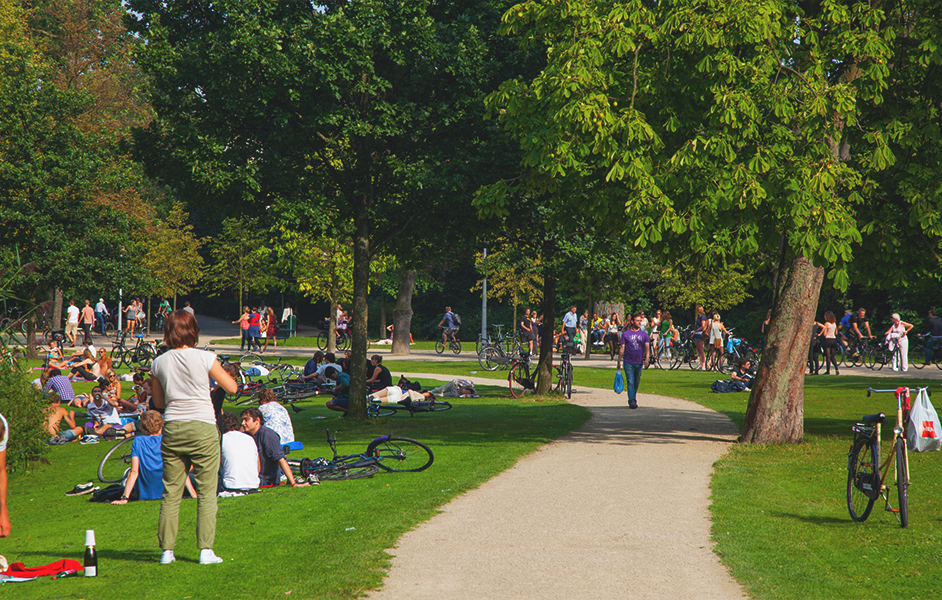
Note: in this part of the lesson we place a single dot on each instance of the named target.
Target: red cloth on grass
(20, 570)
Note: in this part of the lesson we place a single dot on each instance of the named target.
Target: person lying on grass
(341, 399)
(145, 478)
(397, 395)
(270, 453)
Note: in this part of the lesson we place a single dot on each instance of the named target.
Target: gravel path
(617, 509)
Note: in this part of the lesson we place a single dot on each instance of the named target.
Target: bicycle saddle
(878, 418)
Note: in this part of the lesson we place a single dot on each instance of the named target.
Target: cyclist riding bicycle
(451, 325)
(855, 323)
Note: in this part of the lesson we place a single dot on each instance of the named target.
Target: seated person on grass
(270, 454)
(743, 373)
(87, 368)
(380, 377)
(276, 416)
(145, 479)
(330, 360)
(341, 399)
(55, 414)
(60, 384)
(239, 465)
(311, 366)
(106, 413)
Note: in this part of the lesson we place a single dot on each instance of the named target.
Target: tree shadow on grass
(813, 519)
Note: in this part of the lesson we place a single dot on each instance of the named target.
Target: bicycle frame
(899, 431)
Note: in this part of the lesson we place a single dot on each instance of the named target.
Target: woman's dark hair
(229, 422)
(829, 317)
(181, 330)
(318, 357)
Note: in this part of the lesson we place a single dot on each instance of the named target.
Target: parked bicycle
(387, 452)
(519, 378)
(564, 375)
(866, 475)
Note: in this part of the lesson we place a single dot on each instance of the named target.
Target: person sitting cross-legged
(239, 465)
(145, 478)
(270, 454)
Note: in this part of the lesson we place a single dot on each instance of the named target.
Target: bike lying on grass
(866, 476)
(389, 453)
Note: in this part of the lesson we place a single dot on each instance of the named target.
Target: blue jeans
(632, 379)
(100, 317)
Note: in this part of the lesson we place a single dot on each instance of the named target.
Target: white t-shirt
(73, 314)
(184, 375)
(6, 434)
(323, 367)
(239, 462)
(106, 413)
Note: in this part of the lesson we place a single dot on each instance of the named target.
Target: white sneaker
(166, 557)
(208, 557)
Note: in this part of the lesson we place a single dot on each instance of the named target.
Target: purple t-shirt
(634, 342)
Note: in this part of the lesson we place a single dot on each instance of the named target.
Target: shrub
(23, 407)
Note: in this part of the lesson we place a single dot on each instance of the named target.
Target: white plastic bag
(924, 430)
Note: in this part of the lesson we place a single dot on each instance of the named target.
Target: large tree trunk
(776, 404)
(361, 288)
(402, 315)
(545, 367)
(57, 310)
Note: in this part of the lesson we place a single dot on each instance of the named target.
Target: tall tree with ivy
(752, 131)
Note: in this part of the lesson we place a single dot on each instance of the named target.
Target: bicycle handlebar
(870, 390)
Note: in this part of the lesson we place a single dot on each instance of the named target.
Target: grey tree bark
(402, 314)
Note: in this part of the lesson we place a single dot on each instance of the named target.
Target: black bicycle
(519, 378)
(564, 374)
(395, 454)
(454, 344)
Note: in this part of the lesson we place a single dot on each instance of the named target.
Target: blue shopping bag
(619, 385)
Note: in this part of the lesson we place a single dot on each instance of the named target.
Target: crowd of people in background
(260, 324)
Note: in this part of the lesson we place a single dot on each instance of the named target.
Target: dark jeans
(100, 318)
(245, 338)
(632, 380)
(931, 343)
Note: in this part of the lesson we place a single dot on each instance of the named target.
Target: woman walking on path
(244, 327)
(526, 330)
(634, 349)
(896, 336)
(271, 331)
(180, 383)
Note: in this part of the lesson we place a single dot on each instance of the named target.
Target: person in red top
(87, 320)
(255, 332)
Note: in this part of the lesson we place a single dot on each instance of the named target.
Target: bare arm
(132, 479)
(157, 393)
(222, 378)
(287, 471)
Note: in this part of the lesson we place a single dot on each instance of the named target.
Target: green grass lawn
(780, 517)
(324, 541)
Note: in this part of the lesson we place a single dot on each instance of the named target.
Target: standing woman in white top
(829, 329)
(180, 383)
(896, 335)
(717, 329)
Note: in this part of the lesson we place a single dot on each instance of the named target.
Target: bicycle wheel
(902, 482)
(455, 346)
(486, 358)
(116, 463)
(569, 381)
(917, 355)
(676, 358)
(117, 356)
(519, 379)
(725, 363)
(345, 472)
(863, 479)
(145, 356)
(881, 358)
(439, 346)
(375, 410)
(322, 340)
(400, 454)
